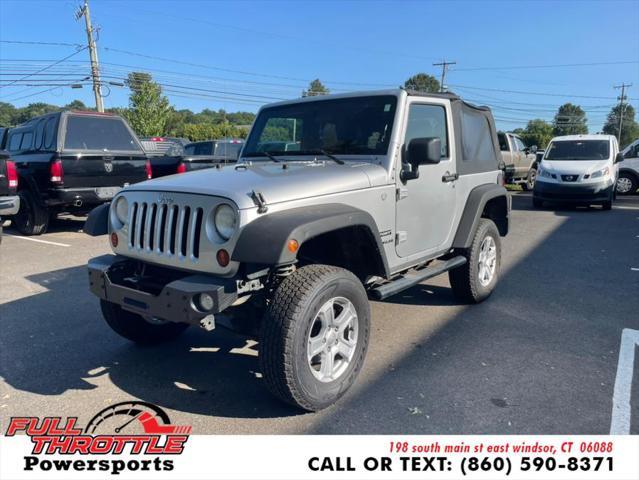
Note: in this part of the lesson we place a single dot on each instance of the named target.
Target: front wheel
(314, 336)
(626, 184)
(474, 281)
(138, 329)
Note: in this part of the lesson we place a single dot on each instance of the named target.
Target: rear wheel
(32, 218)
(315, 336)
(474, 281)
(138, 329)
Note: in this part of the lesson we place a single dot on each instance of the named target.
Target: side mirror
(619, 157)
(422, 151)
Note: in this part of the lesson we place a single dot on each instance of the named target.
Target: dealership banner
(138, 440)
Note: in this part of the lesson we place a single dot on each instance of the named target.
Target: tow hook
(208, 323)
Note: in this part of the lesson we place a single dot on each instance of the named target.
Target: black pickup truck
(194, 156)
(9, 201)
(70, 162)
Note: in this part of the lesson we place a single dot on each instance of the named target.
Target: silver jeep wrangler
(334, 199)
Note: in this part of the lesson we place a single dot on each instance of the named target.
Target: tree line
(150, 114)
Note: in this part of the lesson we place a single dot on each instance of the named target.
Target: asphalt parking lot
(540, 356)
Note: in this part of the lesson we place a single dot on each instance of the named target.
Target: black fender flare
(475, 204)
(265, 240)
(97, 223)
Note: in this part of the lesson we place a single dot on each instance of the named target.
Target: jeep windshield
(346, 126)
(578, 150)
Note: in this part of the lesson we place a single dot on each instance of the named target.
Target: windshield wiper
(325, 153)
(271, 156)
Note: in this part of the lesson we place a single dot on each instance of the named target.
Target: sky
(521, 58)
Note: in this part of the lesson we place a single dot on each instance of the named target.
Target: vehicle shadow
(66, 223)
(424, 294)
(523, 201)
(52, 343)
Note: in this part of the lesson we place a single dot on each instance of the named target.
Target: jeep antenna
(83, 11)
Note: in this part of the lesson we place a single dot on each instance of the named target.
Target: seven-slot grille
(165, 228)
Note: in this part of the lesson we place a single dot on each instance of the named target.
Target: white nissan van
(580, 169)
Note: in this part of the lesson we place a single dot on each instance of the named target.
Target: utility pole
(621, 98)
(93, 53)
(444, 64)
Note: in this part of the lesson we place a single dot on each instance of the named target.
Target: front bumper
(9, 205)
(555, 192)
(175, 302)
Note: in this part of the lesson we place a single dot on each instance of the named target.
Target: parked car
(9, 201)
(227, 148)
(70, 162)
(161, 146)
(375, 201)
(519, 160)
(578, 169)
(195, 157)
(628, 180)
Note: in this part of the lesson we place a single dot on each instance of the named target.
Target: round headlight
(225, 221)
(122, 210)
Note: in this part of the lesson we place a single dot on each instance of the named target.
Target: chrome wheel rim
(532, 176)
(487, 261)
(332, 339)
(624, 185)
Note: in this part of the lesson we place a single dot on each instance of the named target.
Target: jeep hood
(278, 182)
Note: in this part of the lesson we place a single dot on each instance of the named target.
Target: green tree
(570, 120)
(149, 110)
(537, 132)
(8, 114)
(422, 82)
(629, 127)
(76, 105)
(316, 87)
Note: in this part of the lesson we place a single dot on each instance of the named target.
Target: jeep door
(425, 206)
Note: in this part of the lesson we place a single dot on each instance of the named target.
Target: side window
(477, 140)
(206, 148)
(27, 141)
(14, 141)
(49, 134)
(632, 152)
(503, 142)
(426, 121)
(520, 145)
(39, 135)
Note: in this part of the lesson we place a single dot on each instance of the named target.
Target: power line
(565, 65)
(61, 44)
(567, 95)
(46, 68)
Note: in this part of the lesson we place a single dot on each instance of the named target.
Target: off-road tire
(32, 218)
(537, 203)
(464, 280)
(135, 328)
(285, 330)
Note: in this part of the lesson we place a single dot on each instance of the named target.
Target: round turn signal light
(293, 245)
(114, 239)
(223, 257)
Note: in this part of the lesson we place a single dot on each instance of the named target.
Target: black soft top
(476, 131)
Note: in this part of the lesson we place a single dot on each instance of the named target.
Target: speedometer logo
(134, 417)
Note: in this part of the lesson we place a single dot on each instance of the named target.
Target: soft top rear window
(102, 134)
(578, 150)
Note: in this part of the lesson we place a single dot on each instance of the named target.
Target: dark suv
(70, 162)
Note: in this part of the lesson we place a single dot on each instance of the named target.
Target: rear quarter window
(14, 141)
(95, 133)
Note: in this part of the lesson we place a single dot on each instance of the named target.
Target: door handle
(450, 177)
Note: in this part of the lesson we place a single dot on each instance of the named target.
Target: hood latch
(259, 201)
